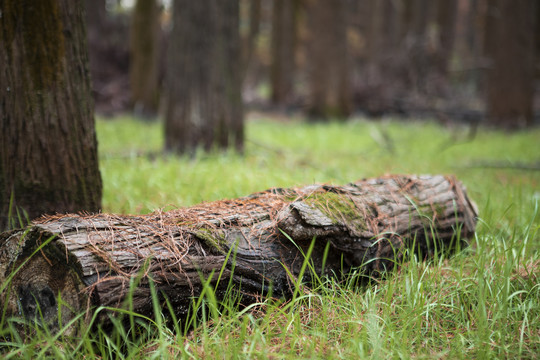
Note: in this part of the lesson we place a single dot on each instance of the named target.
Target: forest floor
(483, 302)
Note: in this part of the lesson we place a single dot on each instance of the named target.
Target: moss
(41, 33)
(339, 208)
(214, 238)
(430, 210)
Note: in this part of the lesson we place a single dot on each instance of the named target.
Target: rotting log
(256, 243)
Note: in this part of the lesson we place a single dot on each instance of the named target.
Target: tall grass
(481, 303)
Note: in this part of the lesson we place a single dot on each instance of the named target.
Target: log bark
(256, 243)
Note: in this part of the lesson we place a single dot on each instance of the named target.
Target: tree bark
(144, 61)
(510, 47)
(204, 105)
(327, 61)
(46, 111)
(256, 243)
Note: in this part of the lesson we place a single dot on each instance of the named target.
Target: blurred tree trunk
(283, 47)
(419, 63)
(48, 147)
(204, 104)
(327, 60)
(144, 61)
(510, 48)
(406, 19)
(254, 19)
(446, 26)
(382, 39)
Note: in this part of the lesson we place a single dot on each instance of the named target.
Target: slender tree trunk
(204, 104)
(283, 47)
(144, 61)
(328, 64)
(510, 47)
(256, 243)
(48, 147)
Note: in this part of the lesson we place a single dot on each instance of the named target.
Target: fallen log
(257, 243)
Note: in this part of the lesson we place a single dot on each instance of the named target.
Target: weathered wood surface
(91, 259)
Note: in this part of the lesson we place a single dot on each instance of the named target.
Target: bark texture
(46, 112)
(256, 243)
(204, 104)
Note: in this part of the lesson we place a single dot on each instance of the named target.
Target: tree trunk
(419, 62)
(144, 61)
(510, 47)
(254, 19)
(446, 26)
(204, 104)
(46, 112)
(328, 64)
(381, 41)
(256, 243)
(283, 47)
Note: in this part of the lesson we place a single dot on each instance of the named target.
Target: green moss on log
(214, 238)
(339, 208)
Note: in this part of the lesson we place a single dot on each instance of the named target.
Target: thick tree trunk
(144, 61)
(327, 60)
(46, 111)
(204, 75)
(257, 243)
(510, 48)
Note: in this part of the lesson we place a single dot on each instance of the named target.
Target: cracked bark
(256, 242)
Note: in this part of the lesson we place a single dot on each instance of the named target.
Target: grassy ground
(481, 303)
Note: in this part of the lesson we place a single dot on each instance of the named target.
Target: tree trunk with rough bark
(48, 146)
(255, 243)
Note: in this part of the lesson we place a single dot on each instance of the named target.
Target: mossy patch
(339, 208)
(214, 238)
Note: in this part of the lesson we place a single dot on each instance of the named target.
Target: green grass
(482, 303)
